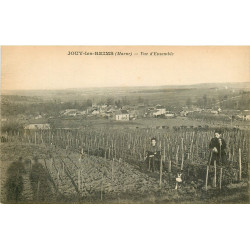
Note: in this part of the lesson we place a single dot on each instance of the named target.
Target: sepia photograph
(125, 124)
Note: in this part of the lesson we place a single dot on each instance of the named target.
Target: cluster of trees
(11, 126)
(202, 102)
(125, 100)
(242, 101)
(50, 108)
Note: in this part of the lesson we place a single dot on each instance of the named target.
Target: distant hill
(237, 85)
(121, 89)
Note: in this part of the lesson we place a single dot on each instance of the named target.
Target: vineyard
(108, 165)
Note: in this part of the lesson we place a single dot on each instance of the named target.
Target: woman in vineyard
(217, 148)
(217, 157)
(153, 156)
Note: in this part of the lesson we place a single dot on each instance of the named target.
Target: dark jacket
(155, 151)
(153, 162)
(220, 155)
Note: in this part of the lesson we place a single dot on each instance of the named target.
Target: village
(132, 113)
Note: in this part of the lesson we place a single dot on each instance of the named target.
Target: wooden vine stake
(112, 169)
(176, 156)
(101, 187)
(58, 178)
(164, 152)
(207, 177)
(38, 190)
(182, 154)
(220, 177)
(215, 174)
(79, 180)
(240, 164)
(160, 171)
(51, 164)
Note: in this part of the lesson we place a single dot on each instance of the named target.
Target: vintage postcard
(125, 124)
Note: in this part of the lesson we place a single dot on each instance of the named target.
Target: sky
(50, 67)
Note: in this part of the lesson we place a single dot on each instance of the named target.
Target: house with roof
(122, 115)
(246, 115)
(159, 112)
(38, 117)
(37, 126)
(95, 112)
(69, 112)
(81, 113)
(184, 113)
(170, 115)
(159, 106)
